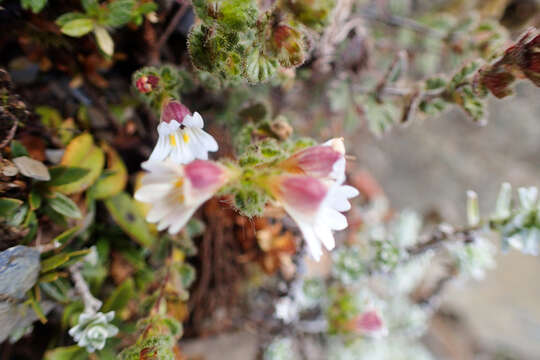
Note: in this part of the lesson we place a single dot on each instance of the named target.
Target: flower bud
(288, 45)
(147, 83)
(174, 110)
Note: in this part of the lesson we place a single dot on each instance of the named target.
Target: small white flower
(181, 136)
(176, 191)
(93, 329)
(315, 205)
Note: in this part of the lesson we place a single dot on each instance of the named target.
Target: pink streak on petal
(315, 161)
(203, 174)
(303, 192)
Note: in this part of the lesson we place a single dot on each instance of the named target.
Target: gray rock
(19, 270)
(18, 317)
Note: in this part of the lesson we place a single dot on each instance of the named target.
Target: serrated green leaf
(35, 5)
(120, 12)
(62, 175)
(124, 212)
(65, 206)
(114, 183)
(8, 206)
(78, 27)
(120, 296)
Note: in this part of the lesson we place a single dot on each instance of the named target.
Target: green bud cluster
(170, 82)
(237, 41)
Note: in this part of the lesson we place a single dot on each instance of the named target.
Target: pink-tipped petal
(174, 110)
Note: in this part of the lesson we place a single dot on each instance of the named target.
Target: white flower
(181, 136)
(176, 191)
(315, 205)
(93, 329)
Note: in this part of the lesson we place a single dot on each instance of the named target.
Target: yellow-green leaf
(114, 183)
(78, 27)
(66, 235)
(73, 352)
(124, 212)
(52, 276)
(81, 152)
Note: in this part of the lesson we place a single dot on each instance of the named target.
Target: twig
(398, 21)
(91, 304)
(10, 134)
(156, 51)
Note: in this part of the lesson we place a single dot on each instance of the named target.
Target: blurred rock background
(428, 167)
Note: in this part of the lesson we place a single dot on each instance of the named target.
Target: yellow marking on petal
(186, 138)
(172, 139)
(179, 183)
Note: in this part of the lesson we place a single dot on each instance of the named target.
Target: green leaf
(35, 5)
(36, 306)
(125, 213)
(57, 290)
(120, 12)
(50, 117)
(62, 175)
(78, 27)
(34, 199)
(71, 313)
(66, 235)
(187, 274)
(65, 206)
(72, 352)
(62, 259)
(8, 206)
(81, 152)
(50, 277)
(67, 17)
(104, 40)
(53, 262)
(18, 149)
(114, 183)
(120, 296)
(90, 6)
